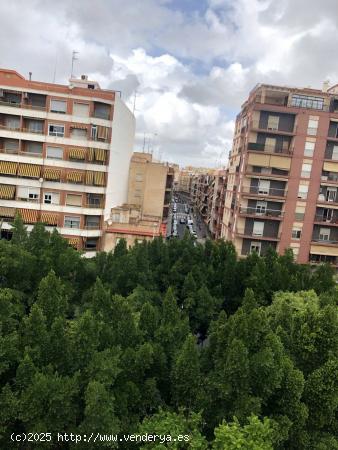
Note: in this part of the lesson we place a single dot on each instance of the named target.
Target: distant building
(64, 156)
(145, 214)
(282, 188)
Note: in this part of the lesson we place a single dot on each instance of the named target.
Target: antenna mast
(74, 58)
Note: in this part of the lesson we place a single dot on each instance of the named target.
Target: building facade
(283, 174)
(145, 215)
(64, 156)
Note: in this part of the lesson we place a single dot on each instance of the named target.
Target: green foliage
(167, 338)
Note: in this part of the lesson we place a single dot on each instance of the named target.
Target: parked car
(182, 220)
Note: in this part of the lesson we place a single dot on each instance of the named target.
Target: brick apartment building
(283, 174)
(64, 156)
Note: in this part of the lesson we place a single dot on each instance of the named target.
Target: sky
(187, 65)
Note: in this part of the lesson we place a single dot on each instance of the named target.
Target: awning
(52, 174)
(75, 177)
(29, 215)
(49, 218)
(102, 132)
(74, 242)
(7, 191)
(91, 154)
(77, 153)
(80, 126)
(99, 178)
(89, 177)
(7, 212)
(100, 154)
(29, 170)
(8, 168)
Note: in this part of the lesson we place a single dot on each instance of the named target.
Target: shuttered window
(74, 200)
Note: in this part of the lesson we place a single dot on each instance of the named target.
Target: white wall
(121, 149)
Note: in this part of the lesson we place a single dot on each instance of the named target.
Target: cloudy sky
(190, 62)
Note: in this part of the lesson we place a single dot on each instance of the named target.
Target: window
(91, 243)
(35, 126)
(263, 186)
(72, 222)
(331, 194)
(139, 177)
(306, 101)
(33, 193)
(34, 148)
(312, 127)
(74, 200)
(78, 133)
(270, 144)
(12, 122)
(273, 122)
(102, 111)
(255, 247)
(306, 170)
(92, 222)
(51, 198)
(261, 207)
(56, 130)
(296, 233)
(94, 133)
(302, 191)
(55, 152)
(81, 109)
(335, 153)
(115, 217)
(324, 234)
(258, 228)
(309, 148)
(58, 106)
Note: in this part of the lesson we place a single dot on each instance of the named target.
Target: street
(198, 225)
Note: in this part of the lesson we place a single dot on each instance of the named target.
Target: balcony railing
(321, 218)
(268, 148)
(23, 105)
(256, 235)
(255, 124)
(324, 241)
(274, 192)
(330, 177)
(20, 129)
(268, 212)
(9, 151)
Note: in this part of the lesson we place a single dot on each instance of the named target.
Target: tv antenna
(74, 58)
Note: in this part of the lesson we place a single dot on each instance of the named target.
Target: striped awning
(75, 177)
(8, 168)
(91, 154)
(7, 191)
(77, 153)
(29, 215)
(102, 132)
(74, 242)
(49, 218)
(29, 170)
(50, 173)
(100, 154)
(80, 126)
(99, 178)
(89, 177)
(7, 212)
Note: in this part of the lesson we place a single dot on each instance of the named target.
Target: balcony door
(261, 208)
(331, 194)
(263, 187)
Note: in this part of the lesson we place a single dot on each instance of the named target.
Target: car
(182, 220)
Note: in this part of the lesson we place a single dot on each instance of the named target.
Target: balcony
(272, 192)
(268, 213)
(256, 125)
(22, 105)
(327, 220)
(255, 146)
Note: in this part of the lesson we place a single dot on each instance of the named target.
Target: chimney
(326, 84)
(30, 76)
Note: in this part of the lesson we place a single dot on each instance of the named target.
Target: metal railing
(321, 218)
(274, 192)
(256, 124)
(268, 212)
(324, 241)
(268, 148)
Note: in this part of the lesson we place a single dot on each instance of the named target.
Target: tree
(19, 231)
(52, 298)
(186, 376)
(255, 435)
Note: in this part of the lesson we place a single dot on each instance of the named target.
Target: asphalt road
(198, 224)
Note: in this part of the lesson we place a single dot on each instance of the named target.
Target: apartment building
(64, 155)
(217, 204)
(145, 214)
(283, 174)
